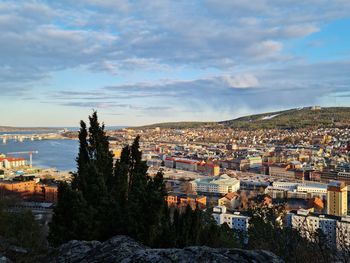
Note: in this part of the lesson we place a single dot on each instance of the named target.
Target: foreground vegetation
(106, 199)
(21, 236)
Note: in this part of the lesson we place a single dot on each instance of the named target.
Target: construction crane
(30, 156)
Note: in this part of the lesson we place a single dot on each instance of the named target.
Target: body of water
(59, 154)
(55, 129)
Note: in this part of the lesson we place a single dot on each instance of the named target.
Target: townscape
(174, 131)
(223, 170)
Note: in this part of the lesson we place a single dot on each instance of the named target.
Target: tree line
(107, 198)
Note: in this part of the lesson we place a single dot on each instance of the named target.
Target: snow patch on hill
(269, 117)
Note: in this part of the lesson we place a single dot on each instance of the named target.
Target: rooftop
(220, 180)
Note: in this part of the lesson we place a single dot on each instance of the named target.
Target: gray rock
(126, 250)
(73, 251)
(4, 259)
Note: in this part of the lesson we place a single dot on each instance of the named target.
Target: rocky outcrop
(126, 250)
(4, 259)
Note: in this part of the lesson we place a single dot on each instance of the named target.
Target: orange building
(50, 193)
(29, 190)
(25, 189)
(211, 169)
(182, 200)
(337, 198)
(230, 200)
(316, 203)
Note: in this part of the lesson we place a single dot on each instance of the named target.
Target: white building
(336, 229)
(288, 186)
(314, 189)
(343, 232)
(222, 184)
(10, 162)
(235, 221)
(255, 161)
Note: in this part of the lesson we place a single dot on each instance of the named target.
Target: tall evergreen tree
(81, 209)
(144, 200)
(72, 217)
(105, 200)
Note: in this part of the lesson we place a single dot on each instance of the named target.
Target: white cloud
(264, 49)
(38, 38)
(242, 81)
(299, 30)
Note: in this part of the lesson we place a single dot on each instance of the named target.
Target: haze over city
(153, 61)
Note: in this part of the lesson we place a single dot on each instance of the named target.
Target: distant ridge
(177, 125)
(306, 117)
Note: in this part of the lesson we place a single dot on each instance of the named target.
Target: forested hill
(294, 118)
(178, 125)
(306, 117)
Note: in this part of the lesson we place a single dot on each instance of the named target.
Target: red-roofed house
(11, 162)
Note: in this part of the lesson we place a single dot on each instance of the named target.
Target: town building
(281, 171)
(304, 190)
(211, 169)
(222, 184)
(254, 162)
(182, 200)
(181, 163)
(337, 198)
(169, 162)
(234, 220)
(50, 193)
(11, 162)
(29, 190)
(335, 228)
(24, 189)
(186, 164)
(230, 200)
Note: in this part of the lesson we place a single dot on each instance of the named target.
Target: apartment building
(11, 162)
(281, 171)
(337, 198)
(336, 229)
(222, 184)
(29, 190)
(235, 220)
(182, 200)
(230, 200)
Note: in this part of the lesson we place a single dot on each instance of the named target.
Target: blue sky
(140, 62)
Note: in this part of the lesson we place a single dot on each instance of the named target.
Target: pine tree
(82, 160)
(72, 217)
(82, 208)
(105, 200)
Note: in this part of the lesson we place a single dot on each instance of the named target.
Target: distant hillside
(294, 118)
(288, 119)
(178, 125)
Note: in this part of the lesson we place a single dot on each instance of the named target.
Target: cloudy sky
(140, 62)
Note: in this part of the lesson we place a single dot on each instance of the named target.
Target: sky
(142, 62)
